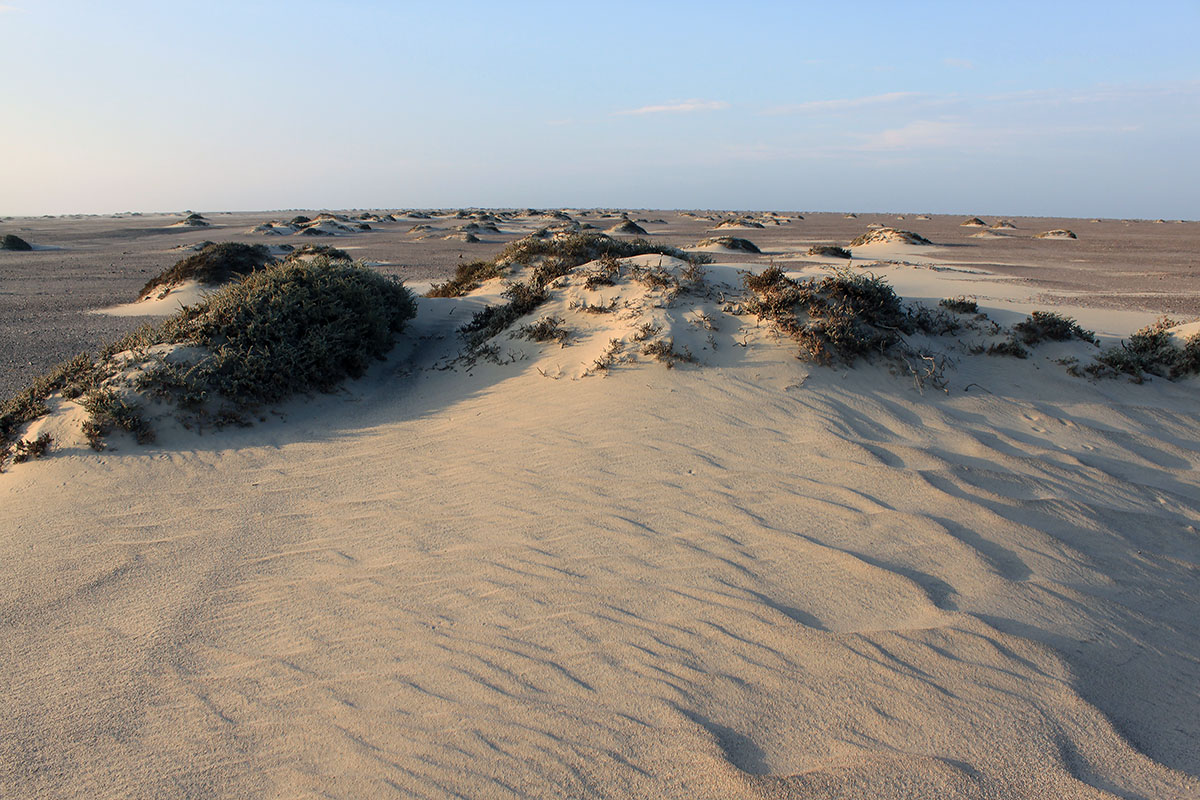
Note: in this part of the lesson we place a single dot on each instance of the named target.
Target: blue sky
(1072, 109)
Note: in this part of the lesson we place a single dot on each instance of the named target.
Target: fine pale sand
(746, 578)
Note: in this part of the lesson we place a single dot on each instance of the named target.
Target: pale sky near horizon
(1055, 109)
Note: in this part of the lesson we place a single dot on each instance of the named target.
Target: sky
(1040, 109)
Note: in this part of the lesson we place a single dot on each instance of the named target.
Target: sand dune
(745, 576)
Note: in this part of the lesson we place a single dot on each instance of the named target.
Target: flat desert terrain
(586, 567)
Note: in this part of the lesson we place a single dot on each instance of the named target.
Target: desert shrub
(1008, 347)
(546, 329)
(299, 219)
(664, 350)
(959, 305)
(829, 251)
(311, 250)
(14, 242)
(291, 328)
(23, 450)
(1041, 326)
(933, 321)
(214, 263)
(1150, 350)
(492, 320)
(467, 277)
(72, 378)
(608, 269)
(108, 410)
(646, 330)
(842, 316)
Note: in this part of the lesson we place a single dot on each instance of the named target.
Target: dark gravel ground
(47, 296)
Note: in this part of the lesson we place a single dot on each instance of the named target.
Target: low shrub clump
(663, 350)
(1152, 351)
(23, 450)
(290, 328)
(546, 329)
(842, 316)
(959, 305)
(212, 264)
(1041, 326)
(829, 251)
(311, 250)
(467, 277)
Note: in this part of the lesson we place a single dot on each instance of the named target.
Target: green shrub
(290, 328)
(311, 250)
(467, 277)
(960, 305)
(1041, 326)
(107, 411)
(1150, 350)
(214, 263)
(829, 251)
(842, 316)
(546, 329)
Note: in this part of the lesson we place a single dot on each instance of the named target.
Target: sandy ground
(748, 577)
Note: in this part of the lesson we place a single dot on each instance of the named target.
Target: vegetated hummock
(627, 226)
(973, 222)
(889, 235)
(1057, 233)
(212, 264)
(289, 327)
(13, 242)
(1003, 224)
(558, 253)
(194, 220)
(738, 222)
(729, 243)
(829, 251)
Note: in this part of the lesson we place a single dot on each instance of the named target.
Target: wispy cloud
(959, 63)
(916, 135)
(846, 104)
(678, 107)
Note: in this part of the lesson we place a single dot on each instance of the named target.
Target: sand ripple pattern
(840, 589)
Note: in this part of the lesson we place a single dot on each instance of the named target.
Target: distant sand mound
(738, 222)
(988, 234)
(462, 236)
(889, 235)
(14, 242)
(192, 221)
(973, 222)
(627, 226)
(923, 216)
(1057, 233)
(1004, 224)
(851, 215)
(728, 243)
(325, 225)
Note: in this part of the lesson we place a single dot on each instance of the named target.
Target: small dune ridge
(889, 236)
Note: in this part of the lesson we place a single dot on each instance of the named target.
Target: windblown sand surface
(745, 578)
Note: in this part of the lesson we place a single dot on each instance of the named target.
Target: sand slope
(753, 579)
